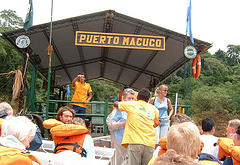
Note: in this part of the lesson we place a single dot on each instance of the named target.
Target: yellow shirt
(81, 93)
(139, 125)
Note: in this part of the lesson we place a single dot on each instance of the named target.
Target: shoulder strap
(152, 100)
(75, 146)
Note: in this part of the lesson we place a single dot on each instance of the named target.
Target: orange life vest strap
(76, 146)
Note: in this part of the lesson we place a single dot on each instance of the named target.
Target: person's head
(232, 127)
(208, 125)
(184, 138)
(162, 90)
(81, 77)
(144, 94)
(20, 127)
(125, 87)
(79, 121)
(128, 94)
(236, 138)
(65, 115)
(5, 110)
(180, 118)
(173, 158)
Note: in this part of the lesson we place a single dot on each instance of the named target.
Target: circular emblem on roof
(190, 52)
(22, 41)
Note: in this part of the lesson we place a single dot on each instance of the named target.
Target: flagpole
(50, 63)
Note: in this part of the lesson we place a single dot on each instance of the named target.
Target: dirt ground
(220, 119)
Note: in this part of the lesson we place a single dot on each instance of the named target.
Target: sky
(213, 21)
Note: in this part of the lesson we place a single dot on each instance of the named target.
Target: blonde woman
(183, 145)
(163, 104)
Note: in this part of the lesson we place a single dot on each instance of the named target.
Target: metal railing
(101, 110)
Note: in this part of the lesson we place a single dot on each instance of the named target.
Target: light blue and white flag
(68, 91)
(189, 22)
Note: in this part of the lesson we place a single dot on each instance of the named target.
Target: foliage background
(216, 91)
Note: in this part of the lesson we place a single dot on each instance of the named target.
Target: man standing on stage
(82, 92)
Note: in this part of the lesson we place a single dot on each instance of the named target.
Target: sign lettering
(129, 41)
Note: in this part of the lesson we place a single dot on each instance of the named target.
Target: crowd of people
(144, 131)
(178, 139)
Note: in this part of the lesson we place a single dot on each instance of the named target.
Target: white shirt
(210, 146)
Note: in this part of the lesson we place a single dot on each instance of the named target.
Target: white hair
(21, 127)
(128, 91)
(5, 108)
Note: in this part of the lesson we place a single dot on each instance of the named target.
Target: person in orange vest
(82, 92)
(6, 111)
(183, 145)
(232, 127)
(236, 139)
(17, 133)
(65, 115)
(176, 119)
(69, 135)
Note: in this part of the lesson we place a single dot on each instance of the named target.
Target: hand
(114, 125)
(168, 119)
(87, 101)
(115, 104)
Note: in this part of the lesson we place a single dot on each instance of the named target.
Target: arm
(151, 100)
(74, 80)
(171, 109)
(89, 98)
(156, 119)
(88, 145)
(118, 124)
(115, 104)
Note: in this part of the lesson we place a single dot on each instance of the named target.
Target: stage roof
(136, 68)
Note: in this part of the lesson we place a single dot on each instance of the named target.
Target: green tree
(104, 89)
(234, 53)
(9, 57)
(9, 20)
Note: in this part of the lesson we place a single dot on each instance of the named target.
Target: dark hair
(144, 94)
(238, 130)
(63, 109)
(208, 124)
(82, 74)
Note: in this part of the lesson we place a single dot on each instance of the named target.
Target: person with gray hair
(17, 133)
(116, 124)
(5, 110)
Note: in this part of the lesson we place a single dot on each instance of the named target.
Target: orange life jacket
(120, 96)
(225, 147)
(163, 144)
(12, 156)
(69, 137)
(50, 123)
(235, 153)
